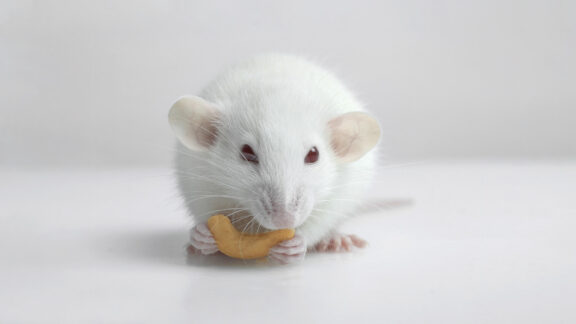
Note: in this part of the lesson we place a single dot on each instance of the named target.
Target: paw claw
(347, 243)
(358, 242)
(201, 237)
(203, 229)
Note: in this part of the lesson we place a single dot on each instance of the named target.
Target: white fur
(281, 106)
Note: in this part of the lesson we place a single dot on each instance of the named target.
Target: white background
(90, 82)
(92, 229)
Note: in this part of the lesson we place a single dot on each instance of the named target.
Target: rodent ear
(353, 134)
(193, 121)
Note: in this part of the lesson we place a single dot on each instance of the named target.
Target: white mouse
(275, 142)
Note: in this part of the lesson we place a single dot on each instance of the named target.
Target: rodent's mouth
(245, 222)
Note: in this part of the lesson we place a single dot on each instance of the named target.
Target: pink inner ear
(343, 134)
(353, 134)
(195, 122)
(342, 142)
(207, 133)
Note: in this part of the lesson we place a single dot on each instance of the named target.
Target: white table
(480, 242)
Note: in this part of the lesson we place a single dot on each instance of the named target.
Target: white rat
(275, 142)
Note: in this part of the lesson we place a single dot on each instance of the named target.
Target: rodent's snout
(277, 214)
(276, 210)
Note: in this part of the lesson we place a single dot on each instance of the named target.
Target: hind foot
(339, 243)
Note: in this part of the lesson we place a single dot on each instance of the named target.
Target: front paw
(289, 251)
(202, 241)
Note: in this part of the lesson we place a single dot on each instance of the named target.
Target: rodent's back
(293, 76)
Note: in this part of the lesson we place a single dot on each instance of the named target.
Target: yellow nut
(244, 246)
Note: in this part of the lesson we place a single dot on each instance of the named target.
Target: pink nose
(283, 220)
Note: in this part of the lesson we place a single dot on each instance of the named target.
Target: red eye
(312, 155)
(248, 154)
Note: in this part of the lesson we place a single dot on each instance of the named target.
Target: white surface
(447, 78)
(458, 243)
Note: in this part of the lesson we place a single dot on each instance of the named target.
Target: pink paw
(339, 243)
(201, 240)
(290, 251)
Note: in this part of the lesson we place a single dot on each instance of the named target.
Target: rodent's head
(281, 162)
